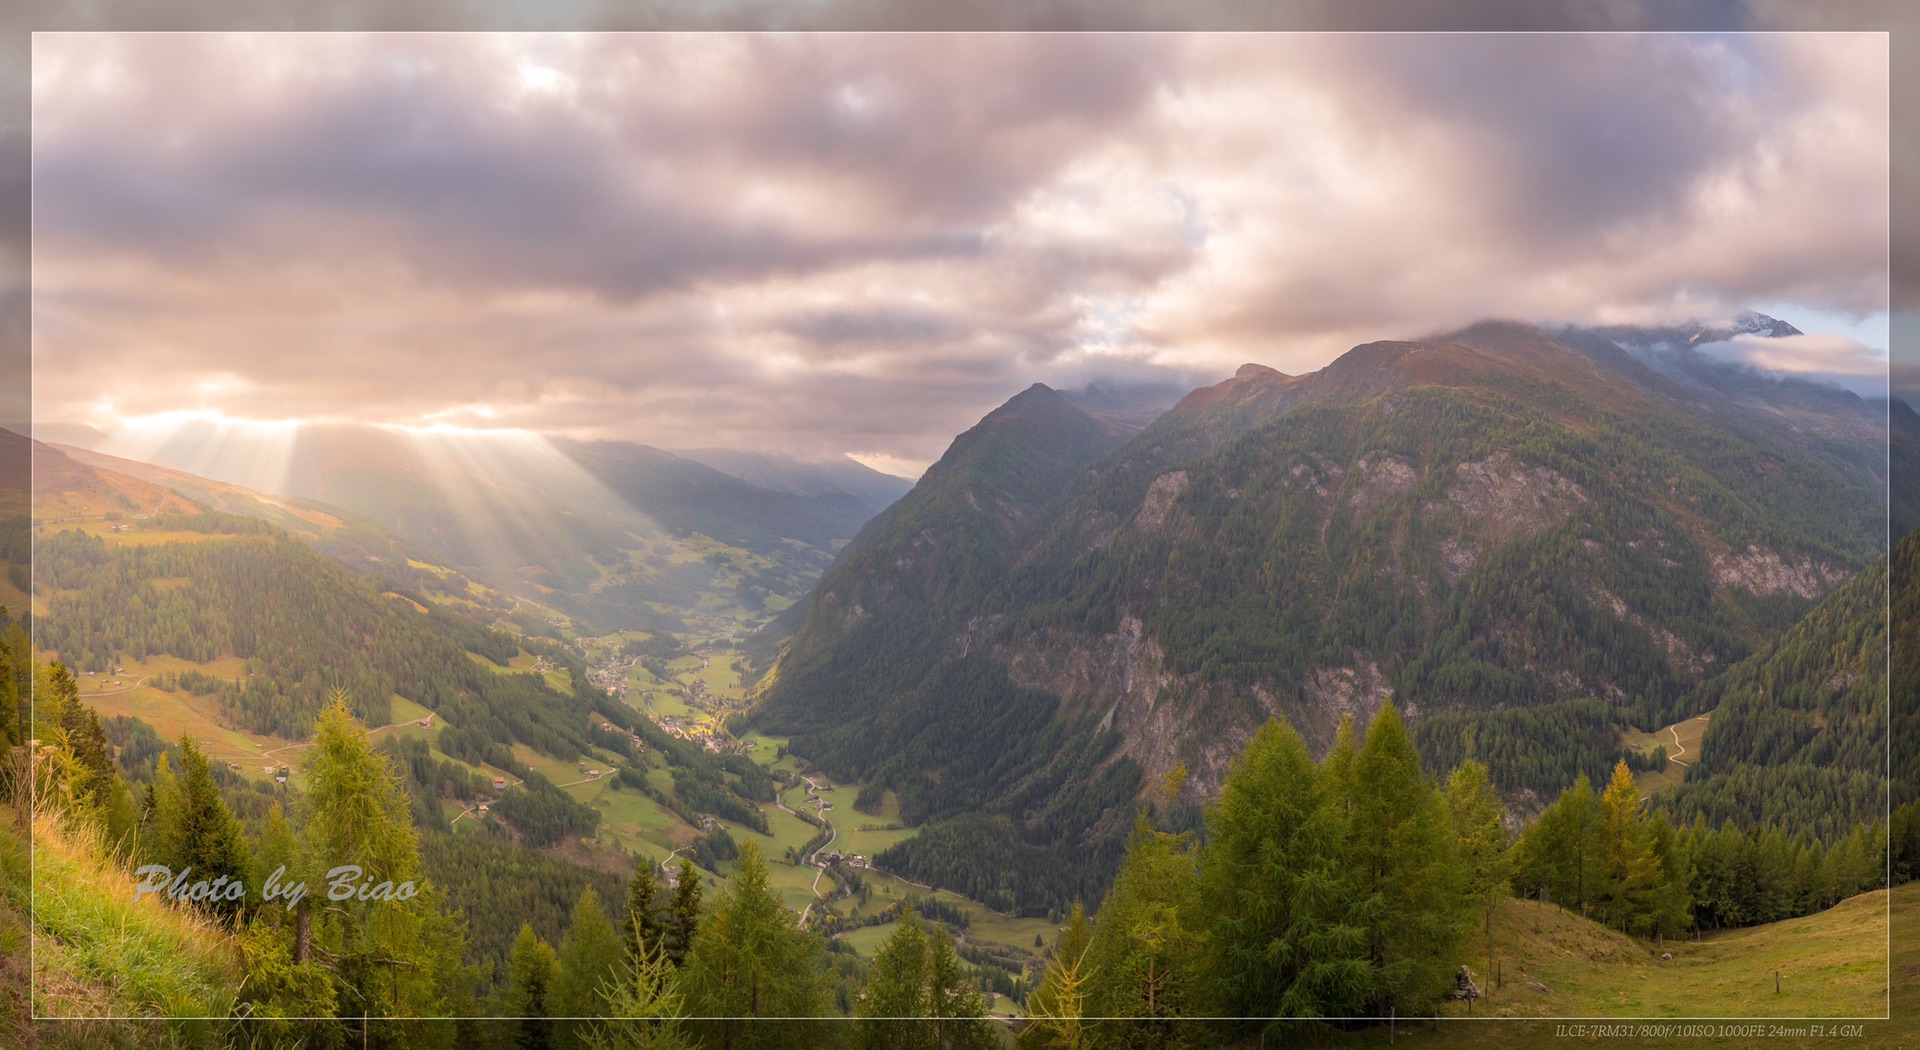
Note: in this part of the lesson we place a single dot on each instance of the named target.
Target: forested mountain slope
(1524, 546)
(1798, 735)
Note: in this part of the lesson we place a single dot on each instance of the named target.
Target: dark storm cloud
(862, 243)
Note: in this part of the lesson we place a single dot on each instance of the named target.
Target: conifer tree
(160, 838)
(1142, 955)
(918, 996)
(1402, 848)
(1557, 857)
(589, 957)
(209, 842)
(1628, 869)
(1278, 932)
(749, 960)
(955, 1008)
(1476, 815)
(642, 931)
(1056, 1009)
(645, 1008)
(683, 918)
(388, 957)
(531, 968)
(896, 988)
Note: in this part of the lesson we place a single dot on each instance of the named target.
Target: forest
(1354, 886)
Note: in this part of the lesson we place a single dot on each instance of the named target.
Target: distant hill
(605, 531)
(804, 478)
(1527, 540)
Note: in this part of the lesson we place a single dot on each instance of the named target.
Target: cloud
(831, 244)
(1821, 358)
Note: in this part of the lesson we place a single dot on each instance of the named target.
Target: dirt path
(122, 689)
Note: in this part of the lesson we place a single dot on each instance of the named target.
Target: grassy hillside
(1830, 967)
(99, 953)
(1559, 965)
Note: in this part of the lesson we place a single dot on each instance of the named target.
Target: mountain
(1798, 735)
(1903, 462)
(610, 532)
(804, 478)
(1524, 541)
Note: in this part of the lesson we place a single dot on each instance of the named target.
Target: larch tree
(590, 956)
(1477, 815)
(1058, 1008)
(531, 969)
(1401, 846)
(391, 956)
(1279, 936)
(1144, 952)
(750, 960)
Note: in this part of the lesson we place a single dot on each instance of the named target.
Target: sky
(859, 244)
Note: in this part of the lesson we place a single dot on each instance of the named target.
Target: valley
(1050, 654)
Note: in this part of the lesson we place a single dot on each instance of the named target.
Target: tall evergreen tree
(590, 956)
(389, 957)
(918, 996)
(1278, 934)
(683, 917)
(1143, 953)
(209, 842)
(1557, 857)
(749, 960)
(1629, 871)
(1402, 848)
(160, 835)
(531, 969)
(1477, 816)
(642, 930)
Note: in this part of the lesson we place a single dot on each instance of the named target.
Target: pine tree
(530, 974)
(749, 960)
(590, 956)
(642, 931)
(209, 840)
(683, 918)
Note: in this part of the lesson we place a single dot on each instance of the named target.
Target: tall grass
(97, 952)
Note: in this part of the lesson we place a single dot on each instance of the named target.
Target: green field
(1832, 964)
(1682, 741)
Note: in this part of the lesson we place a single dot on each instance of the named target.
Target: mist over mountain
(803, 477)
